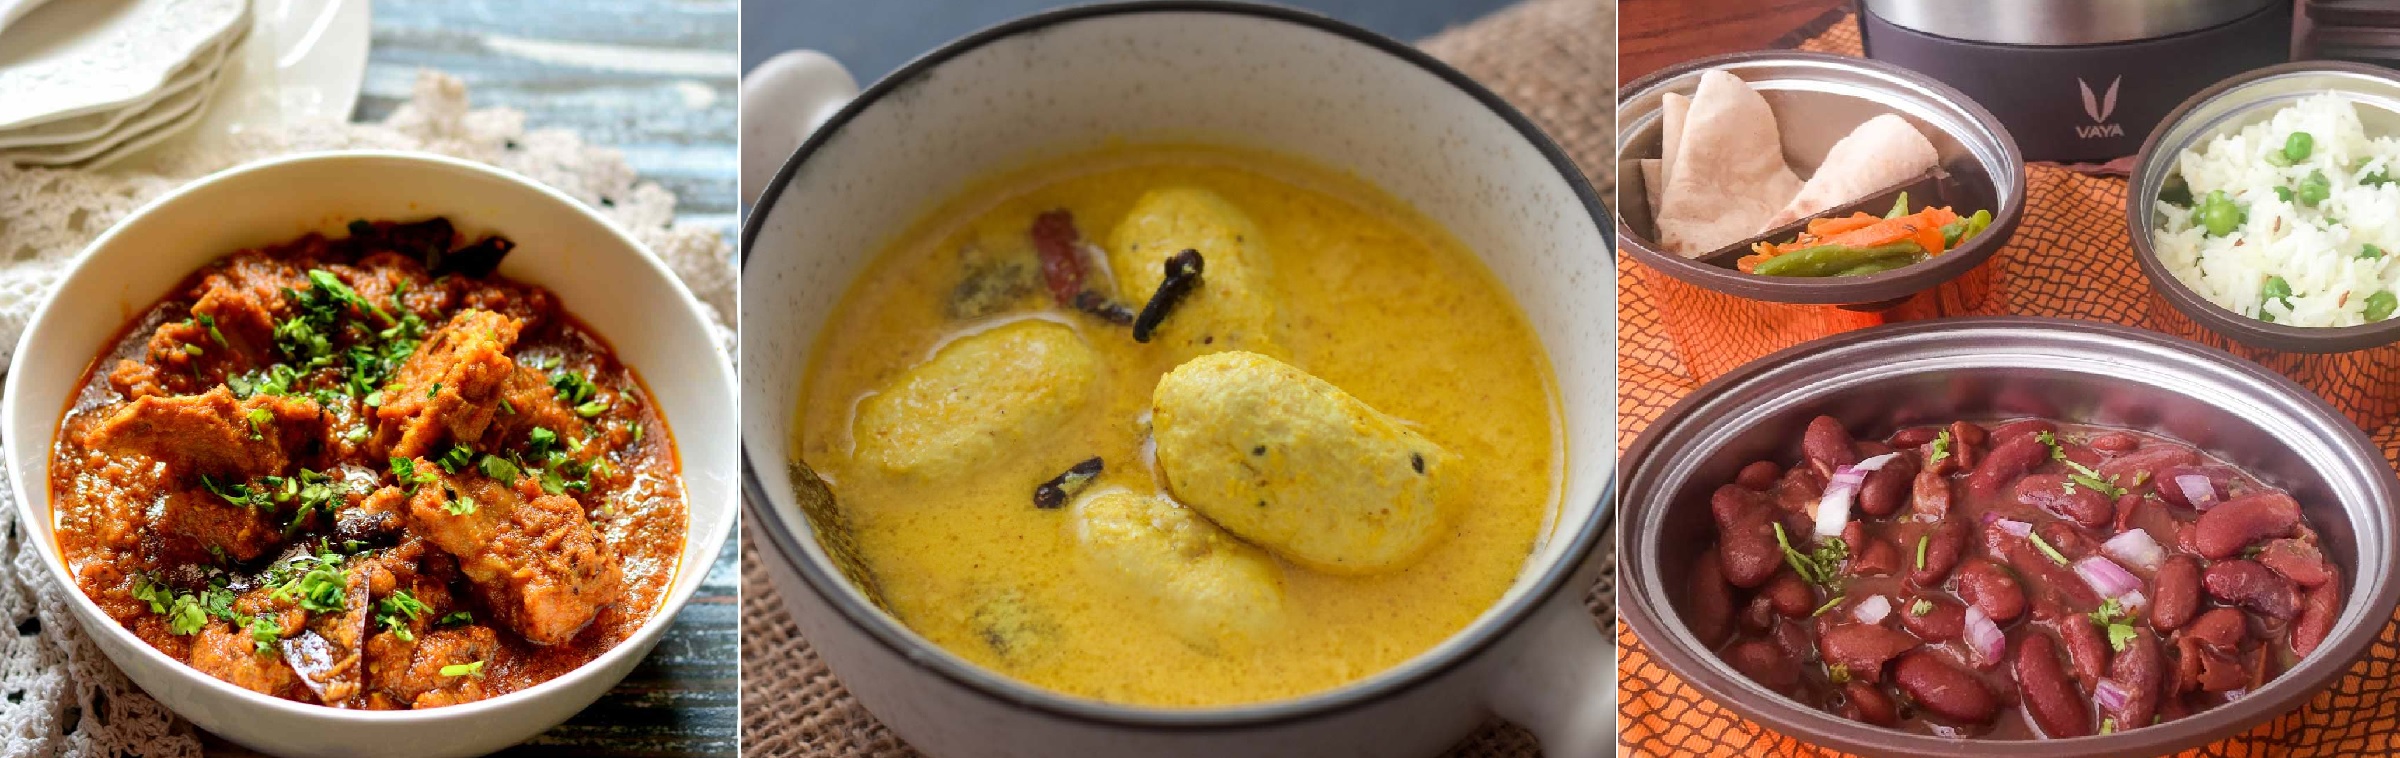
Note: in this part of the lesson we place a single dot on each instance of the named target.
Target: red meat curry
(367, 472)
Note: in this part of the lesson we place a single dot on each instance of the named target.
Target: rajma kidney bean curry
(2034, 579)
(1181, 425)
(368, 473)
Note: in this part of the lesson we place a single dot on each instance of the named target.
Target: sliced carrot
(1827, 227)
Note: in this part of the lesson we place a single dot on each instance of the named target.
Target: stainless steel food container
(1881, 379)
(1720, 317)
(2357, 368)
(2078, 80)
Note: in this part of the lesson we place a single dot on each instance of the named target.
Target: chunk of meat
(1209, 589)
(213, 434)
(212, 524)
(449, 389)
(326, 653)
(534, 558)
(226, 651)
(979, 396)
(1296, 465)
(531, 403)
(409, 673)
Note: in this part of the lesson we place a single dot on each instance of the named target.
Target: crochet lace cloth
(59, 696)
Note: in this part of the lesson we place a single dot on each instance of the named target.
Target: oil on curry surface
(1335, 450)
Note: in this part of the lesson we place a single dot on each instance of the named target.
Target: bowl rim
(1789, 717)
(2218, 319)
(643, 637)
(895, 639)
(1889, 286)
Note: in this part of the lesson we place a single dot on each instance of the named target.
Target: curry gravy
(1370, 296)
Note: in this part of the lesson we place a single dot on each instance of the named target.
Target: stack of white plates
(89, 81)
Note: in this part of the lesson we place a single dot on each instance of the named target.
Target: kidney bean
(2050, 698)
(2140, 670)
(1827, 445)
(1929, 496)
(1915, 436)
(2066, 539)
(1944, 689)
(1986, 585)
(1878, 559)
(1732, 505)
(2116, 442)
(2298, 561)
(1750, 553)
(2252, 586)
(2024, 427)
(2058, 495)
(2219, 479)
(1868, 703)
(1967, 445)
(1943, 546)
(1943, 620)
(2142, 467)
(1888, 487)
(2007, 462)
(1796, 638)
(2225, 530)
(1764, 663)
(1789, 595)
(1798, 491)
(1759, 475)
(2221, 628)
(2200, 667)
(1863, 648)
(2317, 614)
(2087, 651)
(2047, 577)
(2175, 592)
(2081, 455)
(1869, 448)
(2129, 508)
(1711, 601)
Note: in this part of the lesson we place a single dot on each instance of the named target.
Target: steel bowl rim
(1875, 288)
(1665, 637)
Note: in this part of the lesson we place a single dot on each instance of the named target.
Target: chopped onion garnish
(1989, 517)
(2133, 600)
(2109, 695)
(2106, 577)
(1833, 510)
(2233, 695)
(2013, 526)
(1984, 638)
(2136, 548)
(2198, 489)
(1872, 610)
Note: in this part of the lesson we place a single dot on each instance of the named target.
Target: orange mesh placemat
(2070, 258)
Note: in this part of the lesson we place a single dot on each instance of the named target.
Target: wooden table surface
(1655, 34)
(655, 79)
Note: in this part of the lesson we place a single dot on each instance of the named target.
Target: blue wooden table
(655, 79)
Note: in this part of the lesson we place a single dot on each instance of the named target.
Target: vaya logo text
(2099, 108)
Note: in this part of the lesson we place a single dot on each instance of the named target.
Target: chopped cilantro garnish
(2108, 725)
(2116, 620)
(573, 388)
(322, 585)
(210, 323)
(436, 389)
(394, 612)
(257, 417)
(405, 471)
(540, 441)
(464, 669)
(1941, 448)
(1838, 673)
(457, 457)
(1921, 607)
(265, 633)
(460, 506)
(192, 350)
(457, 617)
(593, 408)
(1829, 604)
(500, 468)
(1922, 540)
(1821, 566)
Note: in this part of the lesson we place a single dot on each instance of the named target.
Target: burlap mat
(1554, 59)
(2070, 258)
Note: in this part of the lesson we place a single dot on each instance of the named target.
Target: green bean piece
(2297, 147)
(2381, 304)
(1957, 231)
(1899, 206)
(1875, 267)
(1830, 260)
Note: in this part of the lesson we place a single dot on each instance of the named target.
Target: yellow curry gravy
(1365, 294)
(365, 472)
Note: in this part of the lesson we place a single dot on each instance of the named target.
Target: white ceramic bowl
(600, 275)
(1247, 75)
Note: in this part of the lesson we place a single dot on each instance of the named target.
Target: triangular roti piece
(1884, 151)
(1727, 174)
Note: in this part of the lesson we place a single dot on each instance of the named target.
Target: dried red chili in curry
(368, 473)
